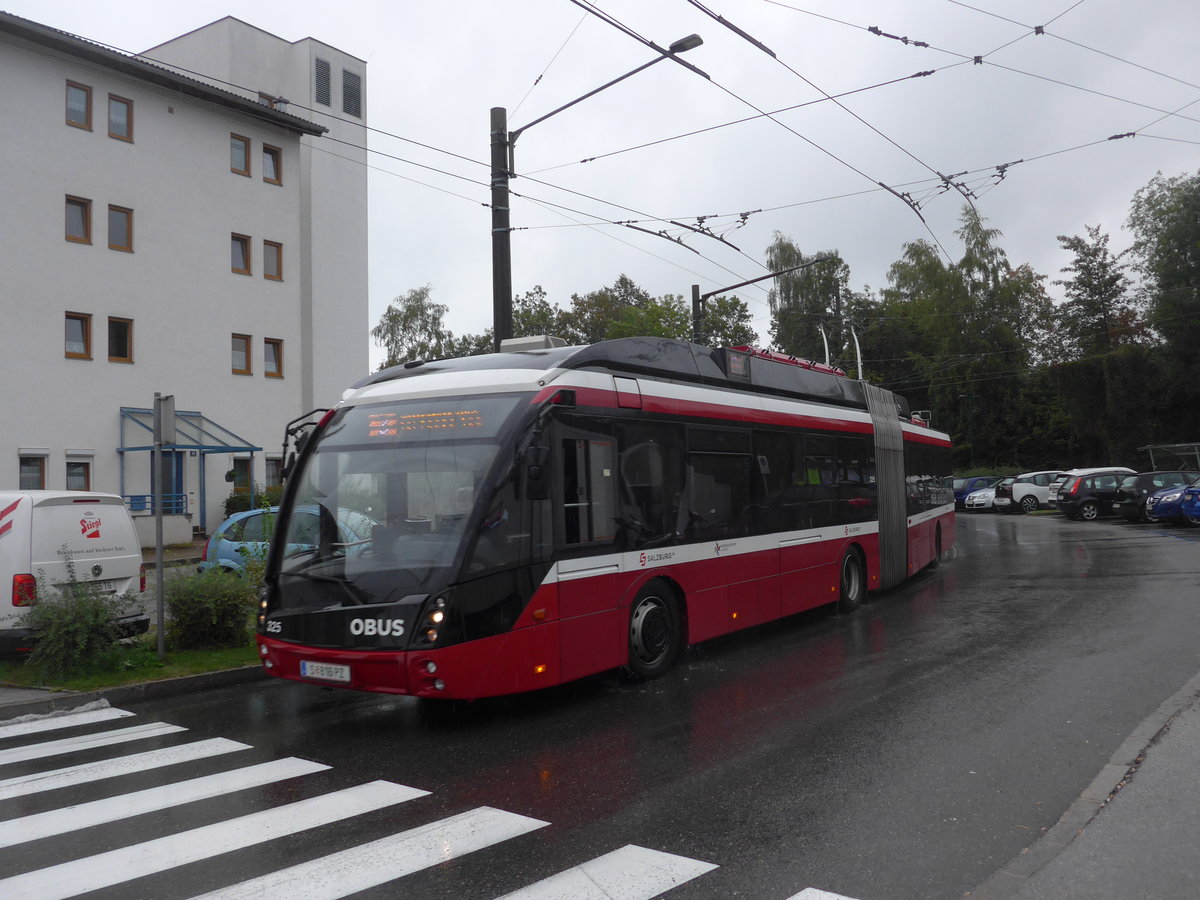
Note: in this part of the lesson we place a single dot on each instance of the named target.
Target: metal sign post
(164, 434)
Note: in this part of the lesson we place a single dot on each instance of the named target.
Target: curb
(57, 702)
(1010, 879)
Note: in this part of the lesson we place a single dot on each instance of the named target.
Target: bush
(209, 610)
(75, 630)
(239, 501)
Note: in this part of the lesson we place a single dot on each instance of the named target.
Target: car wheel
(1029, 503)
(655, 631)
(852, 589)
(1089, 511)
(1192, 519)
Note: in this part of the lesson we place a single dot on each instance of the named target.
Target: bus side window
(821, 473)
(650, 481)
(778, 505)
(719, 485)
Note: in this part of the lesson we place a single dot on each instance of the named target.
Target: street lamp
(502, 141)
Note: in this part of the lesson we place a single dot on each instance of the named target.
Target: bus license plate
(324, 671)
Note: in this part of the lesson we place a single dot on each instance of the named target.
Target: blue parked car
(965, 486)
(1189, 503)
(247, 535)
(1167, 505)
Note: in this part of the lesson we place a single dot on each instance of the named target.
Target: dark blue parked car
(1167, 505)
(1189, 504)
(964, 486)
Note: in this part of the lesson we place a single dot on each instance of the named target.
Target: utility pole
(502, 141)
(501, 232)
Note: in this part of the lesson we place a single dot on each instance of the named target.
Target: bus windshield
(393, 487)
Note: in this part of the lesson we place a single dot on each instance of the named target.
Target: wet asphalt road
(907, 751)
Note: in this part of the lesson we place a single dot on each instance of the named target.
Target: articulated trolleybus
(541, 515)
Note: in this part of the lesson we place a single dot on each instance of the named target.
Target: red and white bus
(543, 515)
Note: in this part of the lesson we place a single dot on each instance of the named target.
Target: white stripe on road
(378, 862)
(631, 873)
(50, 723)
(118, 866)
(112, 768)
(124, 806)
(86, 742)
(818, 894)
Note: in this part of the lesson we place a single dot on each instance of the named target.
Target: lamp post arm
(513, 135)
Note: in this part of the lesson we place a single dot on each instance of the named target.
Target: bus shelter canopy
(193, 431)
(1186, 454)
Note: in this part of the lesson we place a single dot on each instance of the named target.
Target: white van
(45, 533)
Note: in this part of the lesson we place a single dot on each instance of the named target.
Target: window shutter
(322, 81)
(351, 94)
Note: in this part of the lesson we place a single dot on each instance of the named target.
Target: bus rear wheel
(655, 631)
(852, 589)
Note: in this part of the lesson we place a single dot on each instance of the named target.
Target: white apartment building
(177, 222)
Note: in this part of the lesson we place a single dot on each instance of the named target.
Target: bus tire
(937, 548)
(655, 631)
(852, 582)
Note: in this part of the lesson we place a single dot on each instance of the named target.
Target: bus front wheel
(655, 631)
(852, 588)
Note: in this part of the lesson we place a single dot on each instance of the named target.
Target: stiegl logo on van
(89, 527)
(377, 627)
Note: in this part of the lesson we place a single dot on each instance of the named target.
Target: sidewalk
(176, 554)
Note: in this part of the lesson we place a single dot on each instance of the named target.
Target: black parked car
(1088, 497)
(1134, 490)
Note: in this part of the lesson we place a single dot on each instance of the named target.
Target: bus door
(590, 582)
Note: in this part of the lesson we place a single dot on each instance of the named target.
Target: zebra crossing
(629, 872)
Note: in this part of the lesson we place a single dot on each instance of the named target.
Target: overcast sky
(1045, 104)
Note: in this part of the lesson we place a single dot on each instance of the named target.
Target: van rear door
(90, 536)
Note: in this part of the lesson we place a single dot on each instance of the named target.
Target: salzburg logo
(89, 527)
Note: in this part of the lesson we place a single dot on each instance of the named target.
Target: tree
(1165, 220)
(667, 316)
(593, 314)
(807, 300)
(1097, 315)
(966, 329)
(727, 323)
(411, 328)
(533, 314)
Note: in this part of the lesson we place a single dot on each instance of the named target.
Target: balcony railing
(173, 504)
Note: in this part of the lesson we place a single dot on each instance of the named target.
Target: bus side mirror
(287, 467)
(536, 482)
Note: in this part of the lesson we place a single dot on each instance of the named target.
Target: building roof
(81, 48)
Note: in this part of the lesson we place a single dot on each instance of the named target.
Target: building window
(120, 340)
(120, 228)
(239, 247)
(239, 154)
(33, 473)
(79, 105)
(274, 472)
(79, 336)
(273, 260)
(273, 357)
(272, 164)
(79, 475)
(79, 220)
(241, 354)
(120, 118)
(322, 80)
(351, 94)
